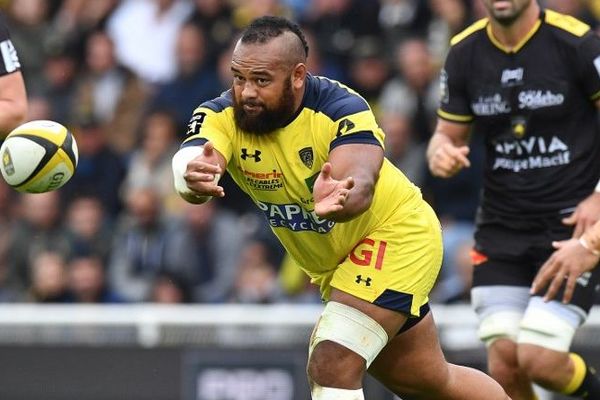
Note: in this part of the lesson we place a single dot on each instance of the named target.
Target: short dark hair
(263, 29)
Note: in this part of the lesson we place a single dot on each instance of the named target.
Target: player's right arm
(447, 149)
(196, 171)
(204, 154)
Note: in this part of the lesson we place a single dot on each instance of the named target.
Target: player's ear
(298, 75)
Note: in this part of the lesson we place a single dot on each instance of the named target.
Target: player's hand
(565, 265)
(203, 173)
(330, 194)
(585, 215)
(448, 160)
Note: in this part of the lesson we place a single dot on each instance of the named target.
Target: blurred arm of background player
(447, 150)
(13, 102)
(588, 211)
(13, 96)
(572, 258)
(575, 256)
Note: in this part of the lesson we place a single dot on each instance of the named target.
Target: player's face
(263, 98)
(506, 12)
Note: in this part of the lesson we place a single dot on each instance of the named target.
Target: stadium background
(173, 299)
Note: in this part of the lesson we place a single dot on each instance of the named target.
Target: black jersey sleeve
(9, 60)
(454, 102)
(588, 58)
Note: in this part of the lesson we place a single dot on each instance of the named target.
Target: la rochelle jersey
(278, 170)
(534, 105)
(9, 61)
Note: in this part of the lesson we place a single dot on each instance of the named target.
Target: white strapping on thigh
(352, 329)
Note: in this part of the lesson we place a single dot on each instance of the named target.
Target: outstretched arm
(346, 184)
(196, 173)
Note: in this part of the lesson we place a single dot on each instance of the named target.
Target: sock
(585, 383)
(326, 393)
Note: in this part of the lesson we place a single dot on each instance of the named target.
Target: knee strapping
(350, 328)
(500, 325)
(543, 328)
(325, 393)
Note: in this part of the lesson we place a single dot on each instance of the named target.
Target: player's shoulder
(566, 26)
(218, 104)
(470, 33)
(332, 98)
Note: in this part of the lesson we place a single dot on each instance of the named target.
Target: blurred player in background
(13, 97)
(309, 153)
(528, 80)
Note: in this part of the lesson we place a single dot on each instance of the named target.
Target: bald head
(291, 43)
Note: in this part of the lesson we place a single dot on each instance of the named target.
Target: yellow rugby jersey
(277, 170)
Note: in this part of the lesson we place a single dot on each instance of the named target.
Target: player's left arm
(346, 184)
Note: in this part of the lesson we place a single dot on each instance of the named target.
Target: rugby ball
(38, 156)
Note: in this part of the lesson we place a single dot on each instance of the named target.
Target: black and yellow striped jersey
(534, 106)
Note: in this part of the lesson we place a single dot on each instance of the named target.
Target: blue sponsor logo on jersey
(294, 217)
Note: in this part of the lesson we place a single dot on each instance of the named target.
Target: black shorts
(512, 256)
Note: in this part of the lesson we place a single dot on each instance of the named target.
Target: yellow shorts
(395, 266)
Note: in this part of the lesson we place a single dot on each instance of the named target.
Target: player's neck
(513, 35)
(299, 98)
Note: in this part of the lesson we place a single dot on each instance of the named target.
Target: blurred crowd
(125, 76)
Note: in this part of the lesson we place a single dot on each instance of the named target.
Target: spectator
(414, 91)
(195, 81)
(37, 229)
(214, 18)
(145, 33)
(110, 93)
(88, 228)
(87, 281)
(60, 72)
(402, 19)
(204, 247)
(30, 31)
(7, 216)
(401, 146)
(449, 18)
(48, 278)
(337, 24)
(100, 170)
(256, 279)
(150, 163)
(170, 288)
(368, 70)
(139, 245)
(75, 20)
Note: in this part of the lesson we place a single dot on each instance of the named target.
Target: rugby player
(308, 152)
(528, 81)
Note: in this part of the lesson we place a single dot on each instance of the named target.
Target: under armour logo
(359, 279)
(256, 155)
